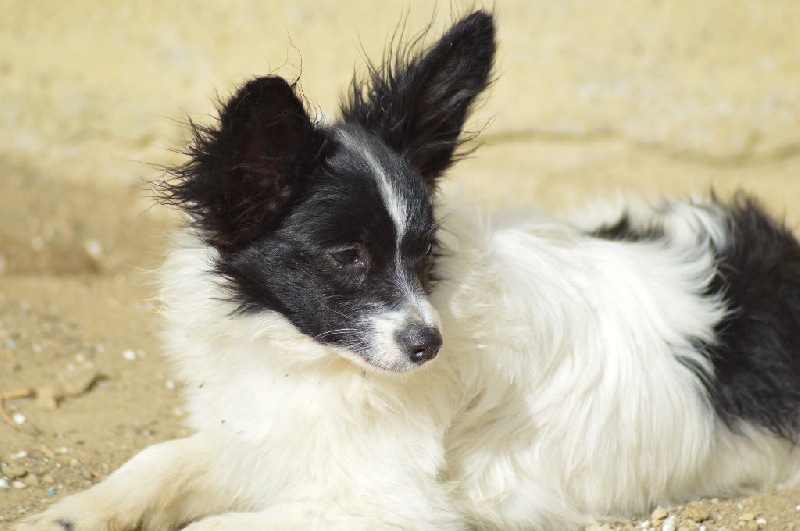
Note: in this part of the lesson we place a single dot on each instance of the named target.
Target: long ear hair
(245, 172)
(417, 102)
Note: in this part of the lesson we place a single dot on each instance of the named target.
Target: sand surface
(608, 98)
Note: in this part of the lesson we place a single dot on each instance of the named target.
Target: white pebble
(170, 384)
(17, 455)
(93, 248)
(19, 418)
(129, 355)
(669, 523)
(3, 483)
(19, 485)
(761, 520)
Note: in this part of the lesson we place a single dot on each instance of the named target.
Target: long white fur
(557, 400)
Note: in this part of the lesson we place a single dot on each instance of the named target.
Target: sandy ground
(80, 236)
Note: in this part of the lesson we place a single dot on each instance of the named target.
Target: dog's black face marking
(757, 354)
(332, 226)
(339, 259)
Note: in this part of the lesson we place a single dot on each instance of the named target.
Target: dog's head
(332, 226)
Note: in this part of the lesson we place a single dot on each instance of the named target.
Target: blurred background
(592, 97)
(91, 90)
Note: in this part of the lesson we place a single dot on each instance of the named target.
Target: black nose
(420, 344)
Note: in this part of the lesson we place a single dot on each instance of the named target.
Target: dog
(359, 353)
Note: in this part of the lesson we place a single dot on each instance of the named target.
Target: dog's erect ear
(245, 172)
(418, 102)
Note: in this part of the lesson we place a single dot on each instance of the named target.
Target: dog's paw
(69, 515)
(45, 523)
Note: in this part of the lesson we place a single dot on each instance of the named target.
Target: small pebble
(696, 512)
(129, 355)
(170, 384)
(47, 479)
(13, 471)
(761, 520)
(51, 492)
(31, 480)
(19, 418)
(18, 455)
(93, 249)
(17, 484)
(747, 517)
(659, 514)
(669, 523)
(3, 483)
(47, 398)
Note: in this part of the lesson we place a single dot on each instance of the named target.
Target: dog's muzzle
(419, 343)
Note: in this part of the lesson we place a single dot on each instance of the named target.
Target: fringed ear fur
(418, 102)
(244, 173)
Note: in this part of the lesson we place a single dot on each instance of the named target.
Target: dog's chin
(376, 362)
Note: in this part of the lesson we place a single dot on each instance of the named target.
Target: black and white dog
(359, 355)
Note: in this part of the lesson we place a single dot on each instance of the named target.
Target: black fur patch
(623, 230)
(757, 355)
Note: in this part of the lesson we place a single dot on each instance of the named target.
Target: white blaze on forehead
(397, 208)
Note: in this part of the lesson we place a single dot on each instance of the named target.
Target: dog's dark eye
(349, 256)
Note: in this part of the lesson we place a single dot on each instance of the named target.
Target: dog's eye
(349, 256)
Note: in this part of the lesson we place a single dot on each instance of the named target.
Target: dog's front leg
(322, 515)
(160, 488)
